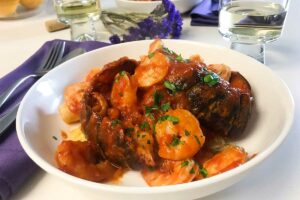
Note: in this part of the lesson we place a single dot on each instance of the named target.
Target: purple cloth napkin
(15, 165)
(205, 13)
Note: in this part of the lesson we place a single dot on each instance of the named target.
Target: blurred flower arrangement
(164, 22)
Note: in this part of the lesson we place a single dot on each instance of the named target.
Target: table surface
(277, 178)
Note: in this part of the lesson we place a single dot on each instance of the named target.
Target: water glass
(250, 24)
(81, 15)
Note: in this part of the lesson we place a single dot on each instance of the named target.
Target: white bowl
(38, 120)
(147, 6)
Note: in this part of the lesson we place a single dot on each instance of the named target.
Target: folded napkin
(205, 13)
(15, 165)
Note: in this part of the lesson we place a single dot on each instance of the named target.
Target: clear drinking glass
(250, 24)
(81, 15)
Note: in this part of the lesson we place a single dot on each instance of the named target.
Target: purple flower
(115, 39)
(177, 26)
(164, 22)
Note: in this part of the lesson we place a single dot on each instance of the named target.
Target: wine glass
(81, 15)
(250, 24)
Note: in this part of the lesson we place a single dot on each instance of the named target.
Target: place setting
(140, 111)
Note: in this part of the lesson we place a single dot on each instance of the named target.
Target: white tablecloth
(277, 178)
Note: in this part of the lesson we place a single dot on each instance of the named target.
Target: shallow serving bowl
(38, 120)
(147, 6)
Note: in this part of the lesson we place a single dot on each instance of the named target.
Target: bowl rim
(157, 189)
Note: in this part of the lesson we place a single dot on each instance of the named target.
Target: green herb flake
(192, 171)
(128, 131)
(144, 126)
(163, 118)
(203, 172)
(179, 58)
(148, 142)
(151, 55)
(197, 139)
(54, 137)
(175, 141)
(211, 79)
(143, 136)
(150, 115)
(173, 119)
(186, 132)
(148, 110)
(121, 94)
(185, 163)
(115, 122)
(168, 51)
(157, 98)
(169, 85)
(122, 73)
(165, 107)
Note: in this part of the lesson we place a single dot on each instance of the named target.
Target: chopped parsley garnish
(122, 73)
(121, 94)
(174, 56)
(197, 139)
(168, 51)
(171, 86)
(203, 172)
(148, 142)
(115, 122)
(150, 115)
(54, 137)
(144, 126)
(185, 163)
(165, 107)
(211, 79)
(192, 171)
(157, 98)
(173, 119)
(186, 132)
(148, 112)
(128, 131)
(151, 55)
(179, 58)
(143, 136)
(175, 141)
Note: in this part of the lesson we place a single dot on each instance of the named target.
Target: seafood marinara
(168, 117)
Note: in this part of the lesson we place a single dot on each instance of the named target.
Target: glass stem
(256, 51)
(83, 31)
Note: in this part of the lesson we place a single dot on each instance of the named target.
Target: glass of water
(81, 15)
(250, 24)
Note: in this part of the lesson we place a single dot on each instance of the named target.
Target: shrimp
(171, 173)
(92, 73)
(222, 70)
(179, 135)
(79, 159)
(229, 158)
(123, 94)
(196, 58)
(153, 68)
(71, 107)
(156, 45)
